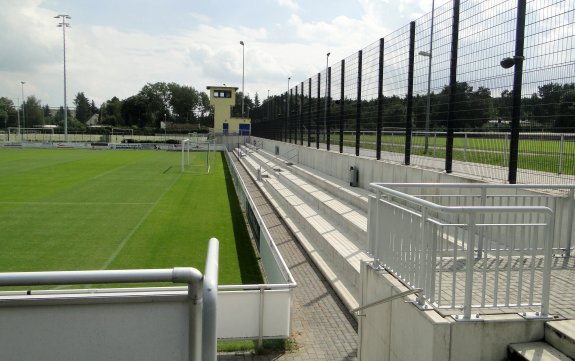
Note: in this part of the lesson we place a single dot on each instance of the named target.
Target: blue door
(244, 129)
(226, 125)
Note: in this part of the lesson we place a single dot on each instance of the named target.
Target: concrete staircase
(559, 344)
(328, 217)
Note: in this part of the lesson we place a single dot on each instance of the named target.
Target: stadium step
(356, 197)
(344, 216)
(559, 344)
(311, 213)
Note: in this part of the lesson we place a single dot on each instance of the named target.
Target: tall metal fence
(482, 87)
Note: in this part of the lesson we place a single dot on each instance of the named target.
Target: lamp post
(429, 56)
(64, 25)
(243, 74)
(23, 106)
(19, 131)
(325, 96)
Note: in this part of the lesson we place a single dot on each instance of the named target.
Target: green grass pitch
(90, 210)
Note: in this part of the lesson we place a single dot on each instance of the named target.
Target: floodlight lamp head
(242, 42)
(507, 63)
(328, 54)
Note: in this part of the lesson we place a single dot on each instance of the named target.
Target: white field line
(137, 226)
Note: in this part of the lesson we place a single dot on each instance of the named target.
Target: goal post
(197, 156)
(43, 135)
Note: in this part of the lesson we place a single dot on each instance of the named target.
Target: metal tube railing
(386, 299)
(210, 293)
(188, 275)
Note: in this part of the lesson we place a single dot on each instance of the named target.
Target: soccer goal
(43, 135)
(197, 156)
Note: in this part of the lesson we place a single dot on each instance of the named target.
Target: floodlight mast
(23, 105)
(64, 25)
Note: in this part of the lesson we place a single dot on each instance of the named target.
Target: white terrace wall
(370, 170)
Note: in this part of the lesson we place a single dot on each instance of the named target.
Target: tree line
(552, 107)
(153, 104)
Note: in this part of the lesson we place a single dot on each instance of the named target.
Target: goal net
(198, 155)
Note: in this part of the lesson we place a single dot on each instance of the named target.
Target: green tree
(93, 108)
(8, 116)
(183, 101)
(248, 105)
(157, 97)
(34, 114)
(83, 108)
(566, 113)
(134, 110)
(111, 112)
(473, 109)
(257, 102)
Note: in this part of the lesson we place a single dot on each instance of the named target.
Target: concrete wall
(400, 331)
(88, 331)
(370, 170)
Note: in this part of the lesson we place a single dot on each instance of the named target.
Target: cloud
(107, 60)
(288, 4)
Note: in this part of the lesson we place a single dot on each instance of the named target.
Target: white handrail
(414, 254)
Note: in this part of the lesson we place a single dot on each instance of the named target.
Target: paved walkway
(321, 326)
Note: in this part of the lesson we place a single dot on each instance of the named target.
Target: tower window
(222, 94)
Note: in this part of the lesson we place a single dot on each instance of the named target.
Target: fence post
(287, 136)
(341, 105)
(317, 111)
(358, 104)
(309, 114)
(517, 83)
(452, 88)
(328, 109)
(561, 149)
(409, 110)
(465, 147)
(300, 110)
(379, 101)
(282, 119)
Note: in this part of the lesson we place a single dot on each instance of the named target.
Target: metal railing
(286, 158)
(491, 249)
(202, 292)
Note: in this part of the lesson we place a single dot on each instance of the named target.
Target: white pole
(23, 105)
(243, 75)
(19, 135)
(64, 25)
